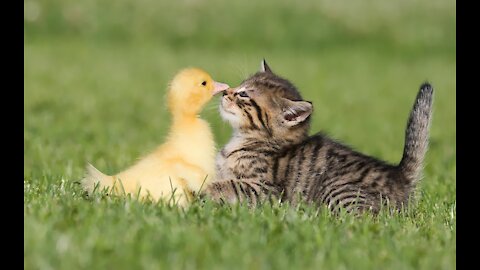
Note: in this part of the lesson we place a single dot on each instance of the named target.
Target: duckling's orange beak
(219, 87)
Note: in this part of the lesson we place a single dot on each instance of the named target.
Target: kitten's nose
(229, 91)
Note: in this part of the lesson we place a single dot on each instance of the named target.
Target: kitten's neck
(261, 138)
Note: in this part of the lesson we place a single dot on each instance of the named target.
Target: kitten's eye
(243, 94)
(204, 83)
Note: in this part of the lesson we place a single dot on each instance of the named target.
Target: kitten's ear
(295, 112)
(264, 67)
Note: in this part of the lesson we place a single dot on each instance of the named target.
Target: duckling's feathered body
(185, 161)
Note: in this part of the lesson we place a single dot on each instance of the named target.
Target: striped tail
(417, 133)
(94, 177)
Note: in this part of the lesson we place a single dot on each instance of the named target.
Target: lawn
(95, 78)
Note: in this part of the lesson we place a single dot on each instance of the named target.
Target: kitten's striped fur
(271, 156)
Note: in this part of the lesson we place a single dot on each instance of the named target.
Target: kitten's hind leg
(356, 204)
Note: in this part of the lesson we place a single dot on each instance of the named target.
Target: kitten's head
(267, 103)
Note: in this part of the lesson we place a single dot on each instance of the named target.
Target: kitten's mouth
(223, 105)
(222, 108)
(227, 115)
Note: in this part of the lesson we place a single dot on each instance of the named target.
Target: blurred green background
(96, 73)
(361, 64)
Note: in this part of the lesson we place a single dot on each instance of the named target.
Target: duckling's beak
(219, 87)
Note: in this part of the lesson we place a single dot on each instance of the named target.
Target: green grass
(95, 79)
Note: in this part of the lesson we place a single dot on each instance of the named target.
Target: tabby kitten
(271, 156)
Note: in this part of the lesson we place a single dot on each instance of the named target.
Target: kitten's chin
(229, 117)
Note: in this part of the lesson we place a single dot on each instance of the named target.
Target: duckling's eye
(243, 94)
(204, 83)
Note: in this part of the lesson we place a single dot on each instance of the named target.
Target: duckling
(185, 161)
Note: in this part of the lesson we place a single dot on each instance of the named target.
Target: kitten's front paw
(219, 193)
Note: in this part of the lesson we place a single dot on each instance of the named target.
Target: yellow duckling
(185, 161)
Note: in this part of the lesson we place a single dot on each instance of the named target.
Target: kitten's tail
(416, 134)
(94, 177)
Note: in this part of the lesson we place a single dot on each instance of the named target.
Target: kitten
(271, 156)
